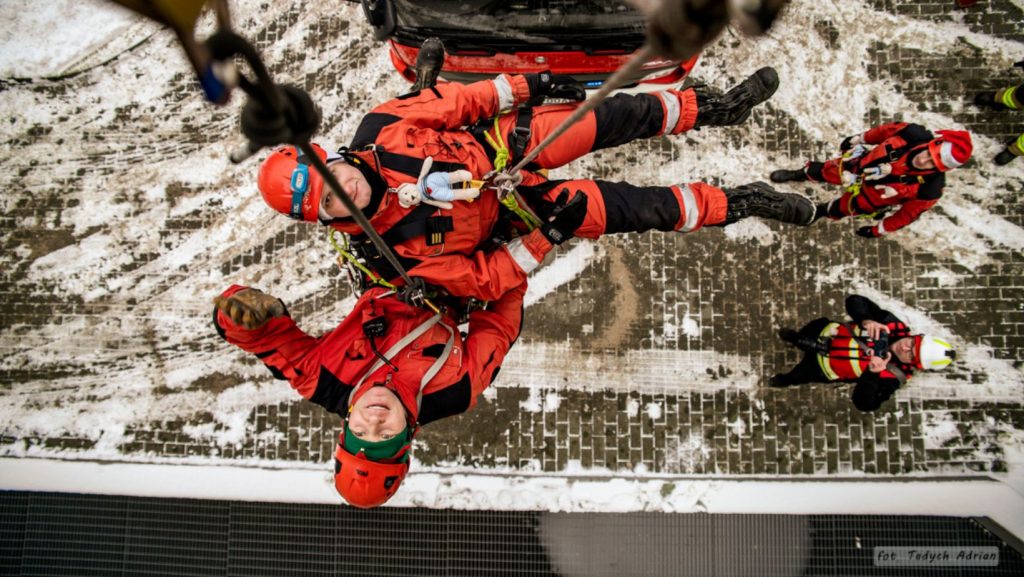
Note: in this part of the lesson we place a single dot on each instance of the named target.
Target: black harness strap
(418, 222)
(517, 141)
(519, 137)
(410, 165)
(891, 156)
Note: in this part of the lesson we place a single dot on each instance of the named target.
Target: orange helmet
(289, 186)
(950, 149)
(366, 483)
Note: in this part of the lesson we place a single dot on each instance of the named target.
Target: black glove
(556, 86)
(848, 143)
(566, 217)
(867, 232)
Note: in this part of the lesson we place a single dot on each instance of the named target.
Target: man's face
(904, 350)
(354, 185)
(923, 160)
(377, 415)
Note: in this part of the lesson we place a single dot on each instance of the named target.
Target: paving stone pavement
(116, 235)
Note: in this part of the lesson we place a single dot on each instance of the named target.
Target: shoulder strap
(519, 137)
(404, 342)
(897, 372)
(411, 166)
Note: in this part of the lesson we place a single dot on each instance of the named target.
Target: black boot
(788, 335)
(734, 107)
(759, 199)
(988, 99)
(1004, 157)
(820, 211)
(428, 63)
(784, 175)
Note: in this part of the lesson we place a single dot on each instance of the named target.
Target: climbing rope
(353, 264)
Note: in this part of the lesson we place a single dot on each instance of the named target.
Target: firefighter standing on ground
(893, 165)
(877, 351)
(442, 245)
(387, 369)
(1008, 98)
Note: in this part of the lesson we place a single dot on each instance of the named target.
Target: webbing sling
(519, 136)
(892, 155)
(417, 222)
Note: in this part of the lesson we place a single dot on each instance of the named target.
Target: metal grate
(68, 534)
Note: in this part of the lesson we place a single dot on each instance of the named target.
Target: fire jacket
(914, 191)
(847, 358)
(327, 369)
(444, 246)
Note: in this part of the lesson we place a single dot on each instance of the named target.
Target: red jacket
(915, 191)
(403, 132)
(847, 360)
(325, 370)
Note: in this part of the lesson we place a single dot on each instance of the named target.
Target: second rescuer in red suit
(437, 373)
(451, 124)
(896, 165)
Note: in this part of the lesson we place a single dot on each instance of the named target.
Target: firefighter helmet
(932, 353)
(365, 483)
(951, 149)
(289, 185)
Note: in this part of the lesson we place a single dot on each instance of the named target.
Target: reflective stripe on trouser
(680, 108)
(1017, 146)
(1011, 97)
(702, 204)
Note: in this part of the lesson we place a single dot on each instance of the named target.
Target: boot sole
(795, 210)
(769, 80)
(786, 176)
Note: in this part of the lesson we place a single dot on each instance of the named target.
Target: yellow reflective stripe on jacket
(823, 359)
(852, 351)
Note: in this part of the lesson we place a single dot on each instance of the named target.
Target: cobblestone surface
(70, 321)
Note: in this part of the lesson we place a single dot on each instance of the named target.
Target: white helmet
(932, 353)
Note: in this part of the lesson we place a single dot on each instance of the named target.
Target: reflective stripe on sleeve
(523, 257)
(505, 95)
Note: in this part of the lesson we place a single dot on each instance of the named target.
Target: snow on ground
(113, 389)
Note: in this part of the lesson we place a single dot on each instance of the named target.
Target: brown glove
(249, 308)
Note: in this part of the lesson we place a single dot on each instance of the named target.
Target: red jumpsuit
(443, 246)
(327, 369)
(914, 191)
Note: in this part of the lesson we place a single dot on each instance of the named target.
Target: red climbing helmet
(368, 483)
(950, 149)
(289, 185)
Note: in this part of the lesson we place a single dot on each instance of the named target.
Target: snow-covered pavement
(645, 356)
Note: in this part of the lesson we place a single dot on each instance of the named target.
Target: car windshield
(505, 24)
